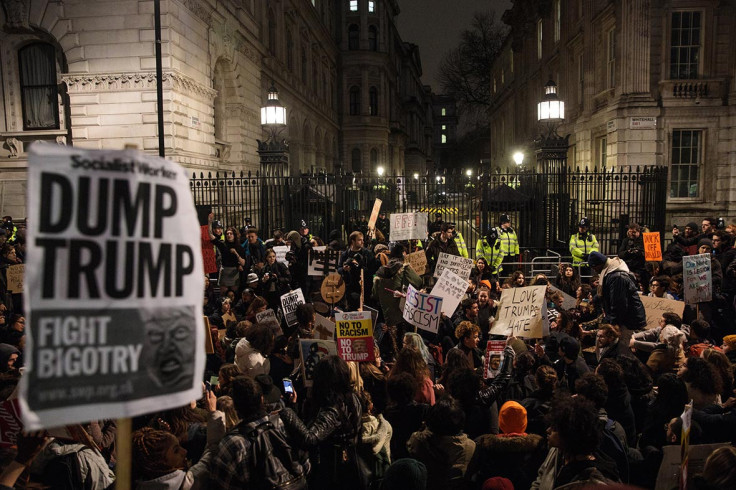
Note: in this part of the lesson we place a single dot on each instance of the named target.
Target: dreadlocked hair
(149, 447)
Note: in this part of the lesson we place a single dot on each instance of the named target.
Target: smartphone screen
(288, 387)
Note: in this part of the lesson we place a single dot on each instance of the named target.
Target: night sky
(435, 26)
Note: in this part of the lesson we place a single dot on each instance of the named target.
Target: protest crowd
(445, 399)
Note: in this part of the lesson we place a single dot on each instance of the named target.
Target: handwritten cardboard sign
(422, 310)
(374, 214)
(268, 318)
(459, 265)
(697, 279)
(451, 288)
(652, 246)
(417, 261)
(408, 226)
(322, 261)
(324, 328)
(15, 278)
(522, 313)
(10, 423)
(289, 302)
(280, 251)
(494, 358)
(654, 308)
(355, 336)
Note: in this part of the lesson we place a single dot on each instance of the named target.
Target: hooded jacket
(446, 457)
(393, 276)
(620, 296)
(514, 456)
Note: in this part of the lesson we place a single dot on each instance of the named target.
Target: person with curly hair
(573, 435)
(159, 460)
(468, 336)
(568, 280)
(251, 353)
(703, 383)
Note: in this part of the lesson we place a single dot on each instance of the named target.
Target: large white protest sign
(522, 312)
(408, 226)
(451, 288)
(459, 265)
(655, 307)
(114, 301)
(280, 251)
(422, 310)
(697, 279)
(268, 318)
(289, 302)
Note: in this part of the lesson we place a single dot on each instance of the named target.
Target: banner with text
(422, 310)
(697, 279)
(355, 336)
(417, 261)
(522, 312)
(115, 323)
(494, 358)
(268, 318)
(459, 265)
(289, 302)
(652, 246)
(654, 308)
(280, 251)
(408, 226)
(451, 288)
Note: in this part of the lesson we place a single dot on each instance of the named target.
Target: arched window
(304, 65)
(373, 38)
(374, 158)
(355, 160)
(353, 37)
(38, 88)
(271, 31)
(315, 76)
(289, 50)
(354, 101)
(373, 101)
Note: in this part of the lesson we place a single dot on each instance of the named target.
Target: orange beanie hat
(512, 418)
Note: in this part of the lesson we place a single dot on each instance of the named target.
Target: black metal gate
(543, 207)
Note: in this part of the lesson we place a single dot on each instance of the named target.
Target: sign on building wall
(643, 122)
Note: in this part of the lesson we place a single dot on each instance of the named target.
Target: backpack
(276, 464)
(611, 456)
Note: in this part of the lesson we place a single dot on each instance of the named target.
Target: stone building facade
(644, 82)
(82, 72)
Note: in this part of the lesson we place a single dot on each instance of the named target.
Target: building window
(444, 111)
(374, 158)
(611, 59)
(600, 151)
(686, 157)
(289, 50)
(315, 75)
(38, 88)
(511, 62)
(539, 39)
(685, 45)
(304, 65)
(444, 139)
(373, 99)
(373, 38)
(444, 127)
(558, 20)
(355, 160)
(581, 80)
(503, 76)
(353, 37)
(271, 32)
(494, 85)
(353, 5)
(354, 101)
(371, 6)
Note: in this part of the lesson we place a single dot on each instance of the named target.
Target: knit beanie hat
(705, 241)
(405, 474)
(596, 258)
(512, 418)
(692, 225)
(294, 237)
(730, 341)
(498, 483)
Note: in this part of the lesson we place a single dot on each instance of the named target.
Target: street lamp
(551, 109)
(551, 148)
(380, 170)
(518, 158)
(469, 173)
(274, 155)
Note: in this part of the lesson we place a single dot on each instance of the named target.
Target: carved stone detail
(61, 140)
(199, 10)
(16, 15)
(15, 147)
(102, 82)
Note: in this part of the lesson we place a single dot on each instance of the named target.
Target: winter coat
(513, 456)
(405, 420)
(375, 444)
(446, 457)
(393, 276)
(250, 361)
(552, 475)
(632, 252)
(436, 247)
(665, 360)
(620, 296)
